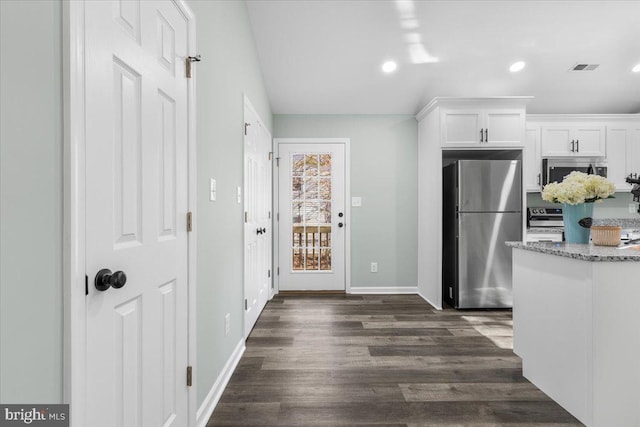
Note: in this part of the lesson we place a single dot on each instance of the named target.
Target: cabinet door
(618, 155)
(504, 127)
(461, 128)
(634, 150)
(556, 141)
(532, 161)
(590, 141)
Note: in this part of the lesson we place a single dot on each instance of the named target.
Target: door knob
(105, 279)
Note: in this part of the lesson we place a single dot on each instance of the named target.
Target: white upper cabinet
(461, 127)
(634, 149)
(623, 152)
(618, 158)
(611, 139)
(479, 122)
(482, 127)
(532, 164)
(573, 140)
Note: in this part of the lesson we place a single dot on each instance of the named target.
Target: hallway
(381, 360)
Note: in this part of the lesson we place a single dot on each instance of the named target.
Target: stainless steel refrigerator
(482, 208)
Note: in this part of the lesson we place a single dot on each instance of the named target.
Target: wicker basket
(606, 235)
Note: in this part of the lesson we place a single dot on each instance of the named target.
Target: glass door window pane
(311, 211)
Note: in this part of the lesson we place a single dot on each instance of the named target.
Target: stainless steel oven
(554, 170)
(544, 224)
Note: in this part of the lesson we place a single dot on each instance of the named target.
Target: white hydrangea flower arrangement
(578, 187)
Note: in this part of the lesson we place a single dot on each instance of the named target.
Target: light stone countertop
(625, 223)
(584, 252)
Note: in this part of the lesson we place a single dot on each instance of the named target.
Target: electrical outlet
(239, 194)
(374, 267)
(212, 189)
(227, 324)
(632, 208)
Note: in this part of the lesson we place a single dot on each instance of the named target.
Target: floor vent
(584, 67)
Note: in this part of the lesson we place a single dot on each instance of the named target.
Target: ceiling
(325, 56)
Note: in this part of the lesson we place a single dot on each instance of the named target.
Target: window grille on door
(311, 211)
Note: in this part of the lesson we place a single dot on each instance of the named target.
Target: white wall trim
(437, 307)
(347, 195)
(74, 209)
(213, 397)
(384, 290)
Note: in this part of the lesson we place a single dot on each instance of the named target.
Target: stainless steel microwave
(554, 170)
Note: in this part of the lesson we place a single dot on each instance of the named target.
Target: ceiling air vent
(584, 67)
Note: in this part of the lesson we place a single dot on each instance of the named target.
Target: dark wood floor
(391, 360)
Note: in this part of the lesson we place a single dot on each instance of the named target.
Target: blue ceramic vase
(577, 222)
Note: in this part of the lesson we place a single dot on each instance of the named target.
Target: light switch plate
(239, 193)
(356, 201)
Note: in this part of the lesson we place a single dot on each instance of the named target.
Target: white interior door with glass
(136, 214)
(312, 216)
(257, 216)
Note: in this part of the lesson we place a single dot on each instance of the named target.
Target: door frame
(347, 204)
(74, 207)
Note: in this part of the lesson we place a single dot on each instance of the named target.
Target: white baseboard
(436, 306)
(206, 409)
(384, 290)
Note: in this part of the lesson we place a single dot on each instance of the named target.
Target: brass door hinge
(270, 155)
(189, 376)
(189, 222)
(188, 62)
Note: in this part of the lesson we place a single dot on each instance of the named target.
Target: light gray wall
(30, 202)
(228, 69)
(384, 172)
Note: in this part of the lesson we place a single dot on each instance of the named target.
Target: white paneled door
(136, 209)
(312, 216)
(257, 216)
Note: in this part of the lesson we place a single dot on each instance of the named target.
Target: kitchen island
(576, 326)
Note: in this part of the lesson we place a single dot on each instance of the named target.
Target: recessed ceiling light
(517, 66)
(636, 69)
(389, 66)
